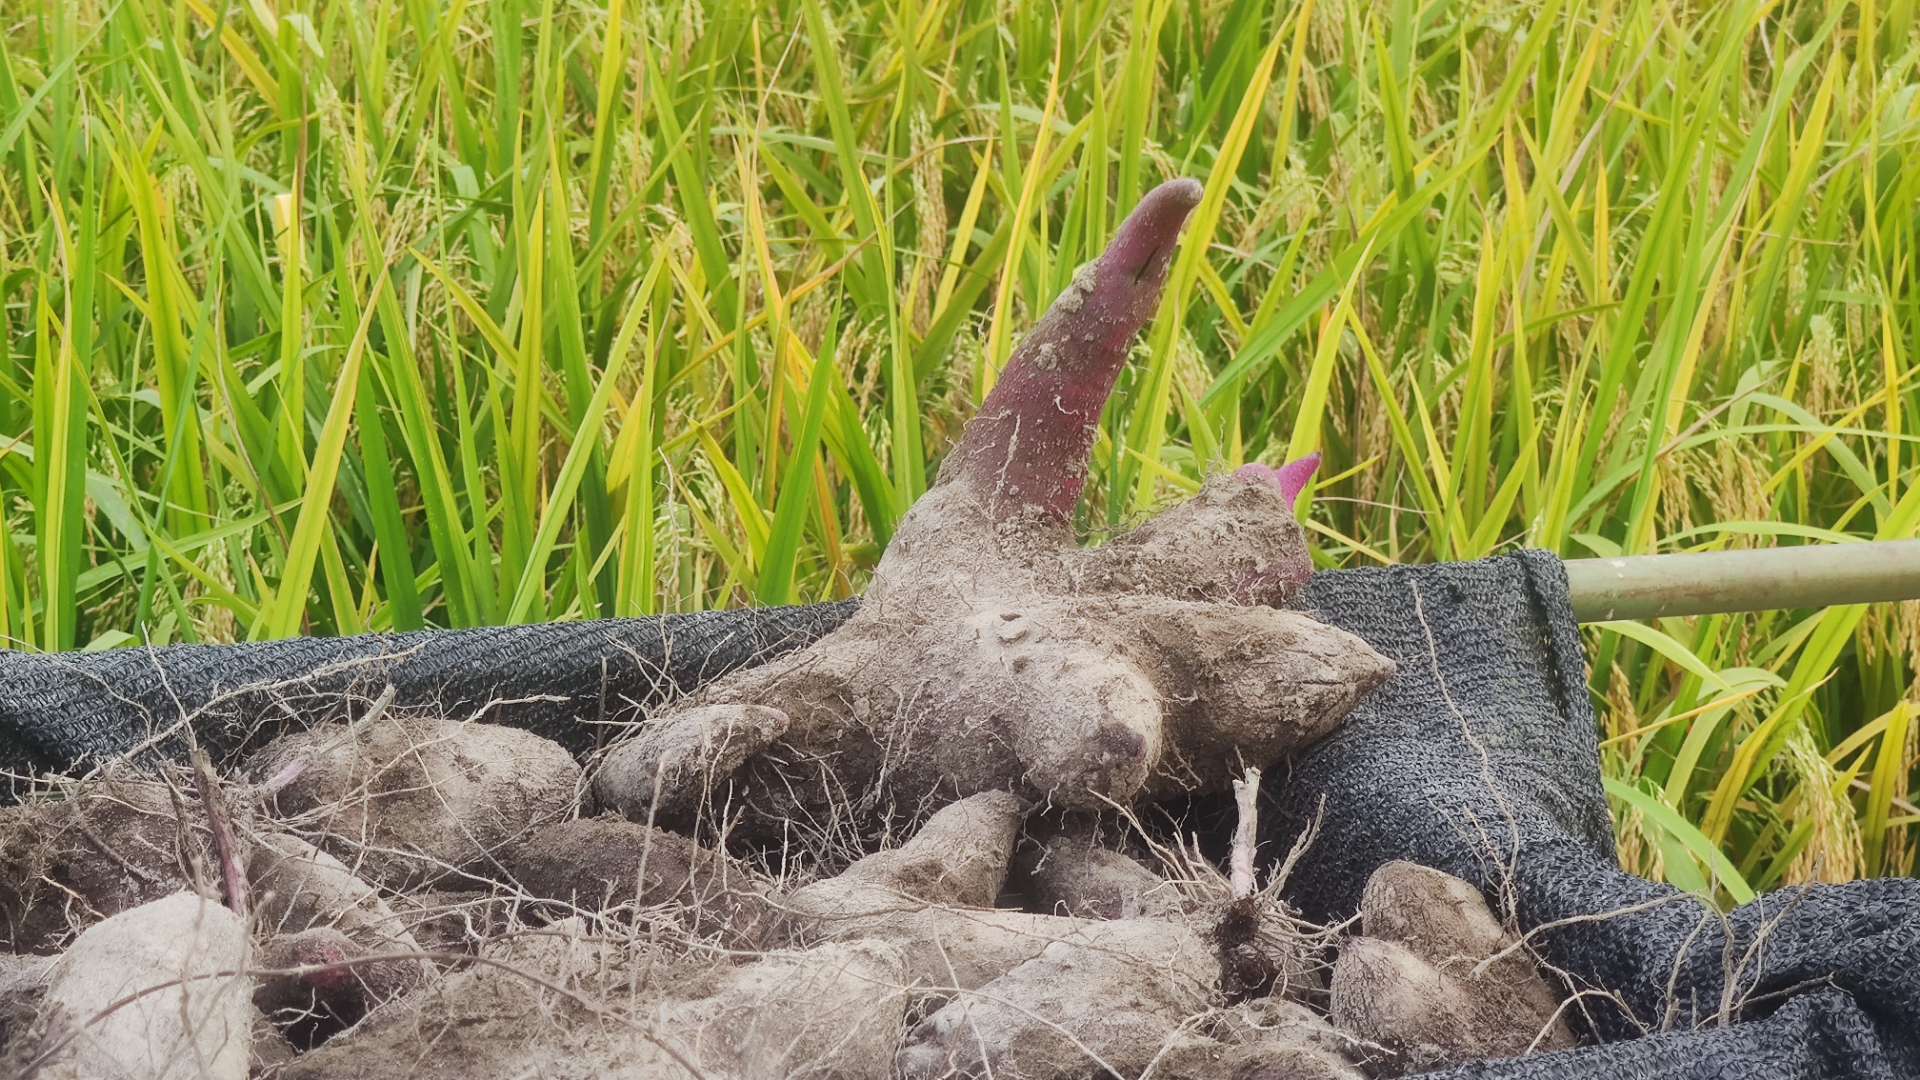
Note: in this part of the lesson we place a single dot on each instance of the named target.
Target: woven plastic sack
(574, 683)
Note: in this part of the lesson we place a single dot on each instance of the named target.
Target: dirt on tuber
(621, 868)
(1435, 980)
(561, 1003)
(415, 800)
(992, 652)
(158, 991)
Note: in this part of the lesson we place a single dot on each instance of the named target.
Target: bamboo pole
(1713, 582)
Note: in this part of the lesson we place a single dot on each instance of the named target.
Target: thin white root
(1246, 797)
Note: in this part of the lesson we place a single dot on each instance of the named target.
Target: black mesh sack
(571, 682)
(1478, 758)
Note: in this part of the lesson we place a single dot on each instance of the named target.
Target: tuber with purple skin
(1026, 450)
(992, 652)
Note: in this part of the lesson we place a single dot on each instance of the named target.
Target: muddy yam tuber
(415, 800)
(157, 991)
(1437, 980)
(993, 653)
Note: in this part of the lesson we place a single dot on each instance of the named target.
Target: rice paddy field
(331, 317)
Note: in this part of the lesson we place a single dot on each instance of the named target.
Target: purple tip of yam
(1291, 478)
(1027, 449)
(1143, 248)
(1296, 475)
(1113, 299)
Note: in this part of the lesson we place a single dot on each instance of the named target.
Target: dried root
(109, 847)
